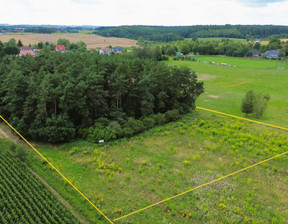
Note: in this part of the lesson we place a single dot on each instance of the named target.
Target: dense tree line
(40, 29)
(223, 47)
(8, 48)
(167, 34)
(54, 97)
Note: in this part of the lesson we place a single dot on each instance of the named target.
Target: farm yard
(225, 86)
(91, 40)
(126, 175)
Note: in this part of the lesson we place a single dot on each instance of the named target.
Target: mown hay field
(92, 40)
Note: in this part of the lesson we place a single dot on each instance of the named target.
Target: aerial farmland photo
(144, 112)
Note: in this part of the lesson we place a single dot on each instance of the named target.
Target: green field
(127, 175)
(23, 197)
(226, 86)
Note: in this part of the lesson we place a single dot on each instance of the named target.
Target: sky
(144, 12)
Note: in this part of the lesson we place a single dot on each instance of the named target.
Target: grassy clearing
(127, 175)
(92, 41)
(225, 86)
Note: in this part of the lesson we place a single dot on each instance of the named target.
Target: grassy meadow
(226, 86)
(129, 174)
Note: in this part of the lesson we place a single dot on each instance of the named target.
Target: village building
(26, 51)
(117, 50)
(255, 53)
(105, 50)
(272, 54)
(60, 48)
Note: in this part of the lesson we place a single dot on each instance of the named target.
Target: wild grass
(125, 175)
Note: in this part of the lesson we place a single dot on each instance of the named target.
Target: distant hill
(172, 33)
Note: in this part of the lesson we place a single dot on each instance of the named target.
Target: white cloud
(258, 3)
(143, 12)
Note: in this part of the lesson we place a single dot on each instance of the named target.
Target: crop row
(24, 199)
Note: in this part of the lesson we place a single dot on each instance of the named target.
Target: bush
(99, 132)
(260, 104)
(136, 126)
(247, 103)
(159, 119)
(57, 128)
(172, 115)
(254, 103)
(21, 154)
(148, 122)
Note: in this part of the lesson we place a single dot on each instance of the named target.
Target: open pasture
(91, 40)
(226, 86)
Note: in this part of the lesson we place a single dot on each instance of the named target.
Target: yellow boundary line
(57, 170)
(213, 181)
(242, 118)
(160, 202)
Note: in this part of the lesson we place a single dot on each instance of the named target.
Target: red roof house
(60, 48)
(26, 52)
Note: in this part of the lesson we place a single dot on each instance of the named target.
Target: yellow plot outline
(213, 181)
(160, 202)
(56, 170)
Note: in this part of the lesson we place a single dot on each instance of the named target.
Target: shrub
(148, 122)
(222, 206)
(186, 162)
(172, 115)
(99, 132)
(21, 154)
(159, 119)
(247, 103)
(134, 126)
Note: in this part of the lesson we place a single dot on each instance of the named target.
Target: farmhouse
(105, 51)
(117, 50)
(26, 51)
(272, 54)
(255, 53)
(21, 30)
(60, 48)
(25, 48)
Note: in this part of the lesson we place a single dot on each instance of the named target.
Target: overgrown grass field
(226, 86)
(127, 175)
